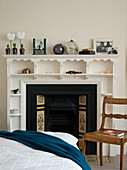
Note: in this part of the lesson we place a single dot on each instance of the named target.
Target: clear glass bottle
(14, 50)
(71, 47)
(22, 50)
(8, 50)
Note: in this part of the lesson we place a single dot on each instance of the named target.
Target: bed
(17, 156)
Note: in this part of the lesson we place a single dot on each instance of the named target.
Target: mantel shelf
(62, 58)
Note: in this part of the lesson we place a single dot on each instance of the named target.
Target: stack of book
(73, 72)
(114, 133)
(87, 51)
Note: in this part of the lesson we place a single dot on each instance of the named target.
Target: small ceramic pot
(14, 111)
(26, 71)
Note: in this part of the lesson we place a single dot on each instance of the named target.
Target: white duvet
(15, 156)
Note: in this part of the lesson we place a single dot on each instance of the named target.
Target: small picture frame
(101, 46)
(39, 47)
(113, 50)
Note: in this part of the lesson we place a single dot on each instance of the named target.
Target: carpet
(95, 158)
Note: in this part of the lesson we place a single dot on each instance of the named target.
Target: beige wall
(125, 124)
(58, 21)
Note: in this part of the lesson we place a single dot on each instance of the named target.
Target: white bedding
(15, 156)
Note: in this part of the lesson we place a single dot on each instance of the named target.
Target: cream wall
(59, 21)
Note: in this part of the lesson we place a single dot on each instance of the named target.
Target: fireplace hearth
(63, 108)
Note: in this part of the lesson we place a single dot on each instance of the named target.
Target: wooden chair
(98, 136)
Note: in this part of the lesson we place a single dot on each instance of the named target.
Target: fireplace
(65, 108)
(61, 113)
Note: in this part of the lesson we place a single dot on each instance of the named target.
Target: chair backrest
(118, 101)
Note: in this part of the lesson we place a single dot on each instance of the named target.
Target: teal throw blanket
(48, 143)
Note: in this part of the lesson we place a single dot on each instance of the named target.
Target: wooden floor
(115, 165)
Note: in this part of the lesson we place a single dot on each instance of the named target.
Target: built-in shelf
(15, 95)
(83, 74)
(22, 75)
(15, 115)
(99, 74)
(91, 74)
(48, 74)
(58, 74)
(107, 94)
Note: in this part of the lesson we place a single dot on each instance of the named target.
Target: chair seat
(104, 138)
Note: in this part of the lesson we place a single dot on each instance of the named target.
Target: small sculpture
(58, 49)
(8, 50)
(113, 51)
(73, 72)
(14, 50)
(71, 47)
(22, 50)
(14, 111)
(20, 36)
(15, 91)
(11, 37)
(26, 71)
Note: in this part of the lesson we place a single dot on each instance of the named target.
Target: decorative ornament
(8, 50)
(14, 50)
(26, 71)
(58, 49)
(15, 91)
(11, 37)
(20, 36)
(22, 50)
(71, 47)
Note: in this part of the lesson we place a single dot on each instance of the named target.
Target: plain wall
(59, 21)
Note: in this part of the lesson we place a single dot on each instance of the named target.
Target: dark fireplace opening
(61, 113)
(63, 108)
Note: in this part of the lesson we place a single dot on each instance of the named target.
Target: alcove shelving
(54, 67)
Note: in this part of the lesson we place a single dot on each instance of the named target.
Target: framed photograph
(39, 47)
(102, 46)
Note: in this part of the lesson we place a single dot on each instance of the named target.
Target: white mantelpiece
(51, 69)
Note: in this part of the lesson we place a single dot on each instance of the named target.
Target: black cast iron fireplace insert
(62, 108)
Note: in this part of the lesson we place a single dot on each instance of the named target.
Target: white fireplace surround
(23, 100)
(51, 69)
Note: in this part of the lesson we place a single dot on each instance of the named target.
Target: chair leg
(121, 157)
(83, 146)
(101, 157)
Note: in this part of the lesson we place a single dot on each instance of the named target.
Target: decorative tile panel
(82, 114)
(40, 100)
(82, 121)
(40, 120)
(82, 100)
(40, 113)
(82, 117)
